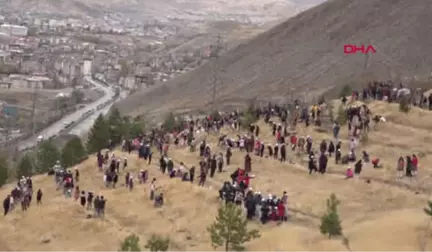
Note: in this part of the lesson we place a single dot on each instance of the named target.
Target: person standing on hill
(77, 175)
(83, 199)
(408, 171)
(213, 166)
(248, 163)
(39, 197)
(6, 204)
(228, 155)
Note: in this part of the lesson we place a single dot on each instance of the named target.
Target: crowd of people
(285, 146)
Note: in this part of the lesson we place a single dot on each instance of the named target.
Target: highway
(56, 127)
(84, 126)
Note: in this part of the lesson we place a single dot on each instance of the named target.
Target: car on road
(40, 138)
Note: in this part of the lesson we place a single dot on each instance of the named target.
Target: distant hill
(305, 56)
(258, 11)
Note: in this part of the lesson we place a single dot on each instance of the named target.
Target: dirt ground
(386, 214)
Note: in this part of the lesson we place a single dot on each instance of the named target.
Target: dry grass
(304, 56)
(383, 215)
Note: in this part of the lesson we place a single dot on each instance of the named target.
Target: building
(14, 30)
(87, 68)
(25, 81)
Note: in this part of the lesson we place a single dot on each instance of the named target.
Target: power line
(215, 53)
(35, 95)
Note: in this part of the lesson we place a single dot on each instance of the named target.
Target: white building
(87, 67)
(25, 81)
(14, 30)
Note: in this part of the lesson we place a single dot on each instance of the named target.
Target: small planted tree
(25, 166)
(170, 122)
(345, 91)
(4, 171)
(130, 243)
(230, 229)
(46, 156)
(247, 119)
(98, 136)
(330, 222)
(73, 152)
(342, 117)
(157, 243)
(428, 212)
(404, 105)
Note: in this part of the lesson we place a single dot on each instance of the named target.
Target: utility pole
(214, 54)
(35, 94)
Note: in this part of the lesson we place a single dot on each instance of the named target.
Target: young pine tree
(170, 122)
(46, 156)
(342, 117)
(25, 166)
(115, 125)
(4, 171)
(230, 229)
(130, 243)
(330, 222)
(98, 136)
(73, 152)
(157, 243)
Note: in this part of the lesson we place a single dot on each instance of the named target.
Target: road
(56, 127)
(84, 126)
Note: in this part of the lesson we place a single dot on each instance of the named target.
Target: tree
(46, 156)
(404, 105)
(428, 211)
(73, 152)
(230, 229)
(98, 135)
(25, 166)
(130, 243)
(345, 91)
(4, 171)
(157, 243)
(170, 122)
(116, 126)
(330, 222)
(248, 118)
(342, 117)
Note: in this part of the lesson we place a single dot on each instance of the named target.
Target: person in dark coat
(331, 148)
(83, 199)
(248, 163)
(312, 164)
(323, 163)
(192, 174)
(39, 197)
(283, 153)
(358, 167)
(408, 172)
(6, 205)
(213, 166)
(228, 155)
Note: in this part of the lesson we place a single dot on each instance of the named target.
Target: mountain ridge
(305, 56)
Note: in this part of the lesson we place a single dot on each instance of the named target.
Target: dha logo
(353, 49)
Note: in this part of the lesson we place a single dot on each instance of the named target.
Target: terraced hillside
(304, 56)
(386, 214)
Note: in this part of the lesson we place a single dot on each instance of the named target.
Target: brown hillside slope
(376, 216)
(306, 54)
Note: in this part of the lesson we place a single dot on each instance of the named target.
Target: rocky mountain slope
(305, 56)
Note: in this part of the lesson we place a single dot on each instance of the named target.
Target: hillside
(386, 214)
(305, 55)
